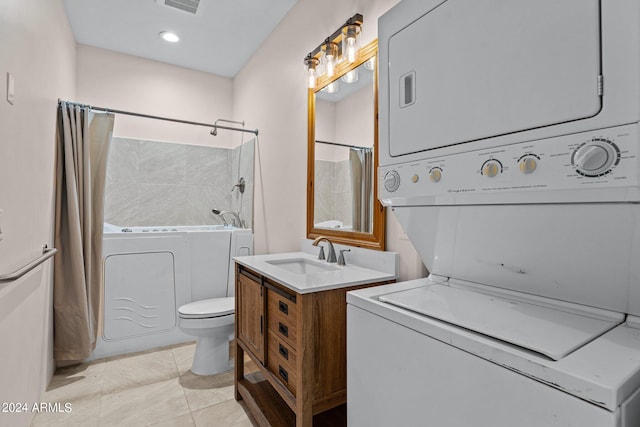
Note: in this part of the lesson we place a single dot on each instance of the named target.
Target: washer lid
(549, 328)
(215, 307)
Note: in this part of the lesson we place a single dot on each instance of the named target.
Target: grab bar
(46, 254)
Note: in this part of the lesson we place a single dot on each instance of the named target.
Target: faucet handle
(341, 260)
(321, 253)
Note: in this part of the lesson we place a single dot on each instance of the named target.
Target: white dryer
(510, 154)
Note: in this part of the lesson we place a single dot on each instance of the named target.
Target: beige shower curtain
(361, 165)
(82, 139)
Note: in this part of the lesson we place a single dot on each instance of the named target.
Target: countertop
(339, 277)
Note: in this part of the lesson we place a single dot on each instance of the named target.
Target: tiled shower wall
(151, 183)
(333, 192)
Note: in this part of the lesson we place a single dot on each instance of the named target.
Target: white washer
(519, 120)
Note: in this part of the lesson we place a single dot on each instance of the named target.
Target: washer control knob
(591, 158)
(391, 181)
(435, 175)
(415, 178)
(528, 165)
(491, 168)
(596, 157)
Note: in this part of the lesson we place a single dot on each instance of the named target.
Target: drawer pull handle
(283, 307)
(283, 351)
(283, 373)
(283, 329)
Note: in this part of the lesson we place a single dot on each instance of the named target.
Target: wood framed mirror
(342, 155)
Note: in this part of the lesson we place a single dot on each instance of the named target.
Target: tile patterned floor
(154, 388)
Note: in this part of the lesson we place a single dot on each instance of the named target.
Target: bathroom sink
(302, 265)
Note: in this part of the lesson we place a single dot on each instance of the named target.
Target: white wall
(354, 118)
(269, 93)
(38, 49)
(125, 82)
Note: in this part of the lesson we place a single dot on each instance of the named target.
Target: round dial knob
(595, 158)
(435, 175)
(391, 181)
(491, 168)
(528, 165)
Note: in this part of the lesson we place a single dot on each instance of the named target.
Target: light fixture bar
(336, 37)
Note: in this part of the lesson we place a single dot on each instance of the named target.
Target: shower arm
(216, 126)
(229, 121)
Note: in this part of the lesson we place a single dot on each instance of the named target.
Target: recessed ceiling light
(169, 36)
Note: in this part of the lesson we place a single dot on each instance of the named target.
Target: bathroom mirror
(342, 155)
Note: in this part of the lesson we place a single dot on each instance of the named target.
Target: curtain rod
(167, 119)
(343, 145)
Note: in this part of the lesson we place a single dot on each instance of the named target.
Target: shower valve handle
(241, 183)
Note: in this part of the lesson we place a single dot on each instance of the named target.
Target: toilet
(210, 316)
(212, 322)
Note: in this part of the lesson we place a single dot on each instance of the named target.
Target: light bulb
(311, 78)
(329, 56)
(330, 67)
(350, 42)
(351, 49)
(311, 65)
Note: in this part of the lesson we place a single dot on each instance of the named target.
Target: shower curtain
(361, 165)
(82, 140)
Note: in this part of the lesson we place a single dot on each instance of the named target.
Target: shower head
(214, 131)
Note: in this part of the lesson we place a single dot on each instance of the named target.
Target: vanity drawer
(278, 348)
(283, 328)
(282, 368)
(282, 303)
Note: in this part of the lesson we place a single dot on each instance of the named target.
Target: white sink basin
(302, 265)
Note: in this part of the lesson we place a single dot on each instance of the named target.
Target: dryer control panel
(595, 166)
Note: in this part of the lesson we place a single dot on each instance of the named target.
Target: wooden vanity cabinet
(298, 342)
(250, 314)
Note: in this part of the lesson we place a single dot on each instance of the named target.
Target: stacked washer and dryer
(509, 153)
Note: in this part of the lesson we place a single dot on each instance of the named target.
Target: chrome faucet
(332, 252)
(237, 222)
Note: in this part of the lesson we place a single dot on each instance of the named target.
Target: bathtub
(151, 271)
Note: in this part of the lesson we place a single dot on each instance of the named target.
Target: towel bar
(46, 254)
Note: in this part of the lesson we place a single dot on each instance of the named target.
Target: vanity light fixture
(170, 37)
(350, 33)
(342, 45)
(329, 58)
(311, 64)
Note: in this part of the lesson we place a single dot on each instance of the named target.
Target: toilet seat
(208, 308)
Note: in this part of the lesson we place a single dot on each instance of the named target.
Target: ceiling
(219, 38)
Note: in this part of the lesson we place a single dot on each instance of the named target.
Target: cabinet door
(250, 316)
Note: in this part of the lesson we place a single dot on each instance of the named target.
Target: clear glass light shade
(332, 87)
(329, 58)
(311, 68)
(370, 64)
(350, 41)
(351, 76)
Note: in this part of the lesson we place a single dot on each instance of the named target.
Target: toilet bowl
(212, 322)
